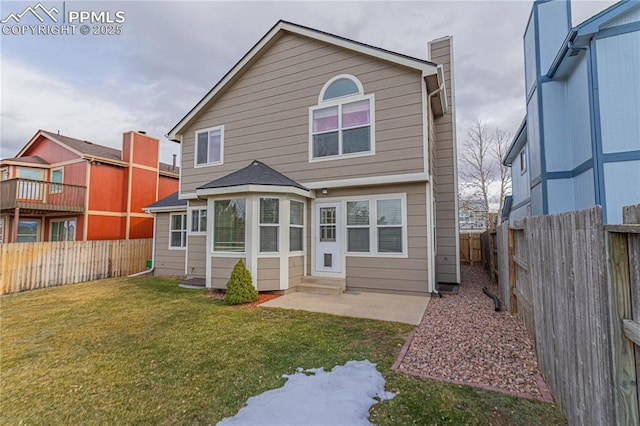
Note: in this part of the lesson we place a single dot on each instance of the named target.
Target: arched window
(339, 86)
(342, 122)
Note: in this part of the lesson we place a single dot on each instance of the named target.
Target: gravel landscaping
(461, 339)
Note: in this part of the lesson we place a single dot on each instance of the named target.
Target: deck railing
(41, 195)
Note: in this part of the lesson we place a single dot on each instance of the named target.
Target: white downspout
(153, 250)
(431, 261)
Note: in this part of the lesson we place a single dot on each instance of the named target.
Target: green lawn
(144, 351)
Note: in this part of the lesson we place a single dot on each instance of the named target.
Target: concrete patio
(378, 306)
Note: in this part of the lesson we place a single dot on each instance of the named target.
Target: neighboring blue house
(579, 144)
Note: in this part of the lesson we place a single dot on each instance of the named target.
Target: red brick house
(59, 188)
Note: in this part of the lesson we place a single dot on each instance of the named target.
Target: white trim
(170, 209)
(340, 102)
(208, 249)
(273, 189)
(190, 211)
(431, 240)
(425, 126)
(63, 219)
(368, 181)
(269, 225)
(247, 213)
(195, 147)
(338, 77)
(53, 184)
(426, 68)
(285, 211)
(170, 247)
(340, 240)
(187, 196)
(39, 227)
(373, 242)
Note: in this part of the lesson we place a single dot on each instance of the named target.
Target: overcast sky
(170, 53)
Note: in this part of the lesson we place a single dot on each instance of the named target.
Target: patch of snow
(342, 396)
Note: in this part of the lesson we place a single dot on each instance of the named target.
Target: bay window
(269, 224)
(229, 225)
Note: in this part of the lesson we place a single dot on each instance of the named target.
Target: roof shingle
(256, 173)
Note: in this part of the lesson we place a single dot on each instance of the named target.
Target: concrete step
(322, 285)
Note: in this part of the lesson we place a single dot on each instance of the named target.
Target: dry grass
(144, 351)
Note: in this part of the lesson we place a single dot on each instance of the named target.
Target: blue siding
(536, 200)
(578, 113)
(529, 56)
(519, 213)
(554, 23)
(557, 151)
(584, 196)
(520, 183)
(618, 62)
(622, 186)
(560, 195)
(533, 138)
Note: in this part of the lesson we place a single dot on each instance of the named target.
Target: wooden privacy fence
(27, 266)
(470, 248)
(575, 283)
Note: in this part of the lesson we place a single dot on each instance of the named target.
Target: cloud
(33, 99)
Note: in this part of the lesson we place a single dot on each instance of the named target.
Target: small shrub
(240, 287)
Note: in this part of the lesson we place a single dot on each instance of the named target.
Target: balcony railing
(37, 195)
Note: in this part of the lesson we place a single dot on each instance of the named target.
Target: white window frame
(334, 79)
(182, 231)
(346, 221)
(247, 227)
(4, 173)
(373, 224)
(62, 220)
(195, 147)
(1, 230)
(523, 160)
(190, 223)
(56, 187)
(269, 225)
(303, 226)
(38, 228)
(340, 102)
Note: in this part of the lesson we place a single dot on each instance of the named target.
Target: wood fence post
(512, 274)
(625, 390)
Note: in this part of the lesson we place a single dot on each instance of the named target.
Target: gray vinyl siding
(265, 114)
(389, 274)
(221, 268)
(197, 246)
(447, 256)
(167, 262)
(268, 273)
(296, 270)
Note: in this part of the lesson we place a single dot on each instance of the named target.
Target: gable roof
(426, 67)
(29, 159)
(256, 173)
(168, 203)
(84, 148)
(584, 31)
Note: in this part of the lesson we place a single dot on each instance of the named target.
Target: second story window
(341, 123)
(57, 176)
(209, 146)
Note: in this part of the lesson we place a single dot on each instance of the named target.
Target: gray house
(318, 159)
(579, 144)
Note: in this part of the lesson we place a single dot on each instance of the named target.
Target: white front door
(328, 242)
